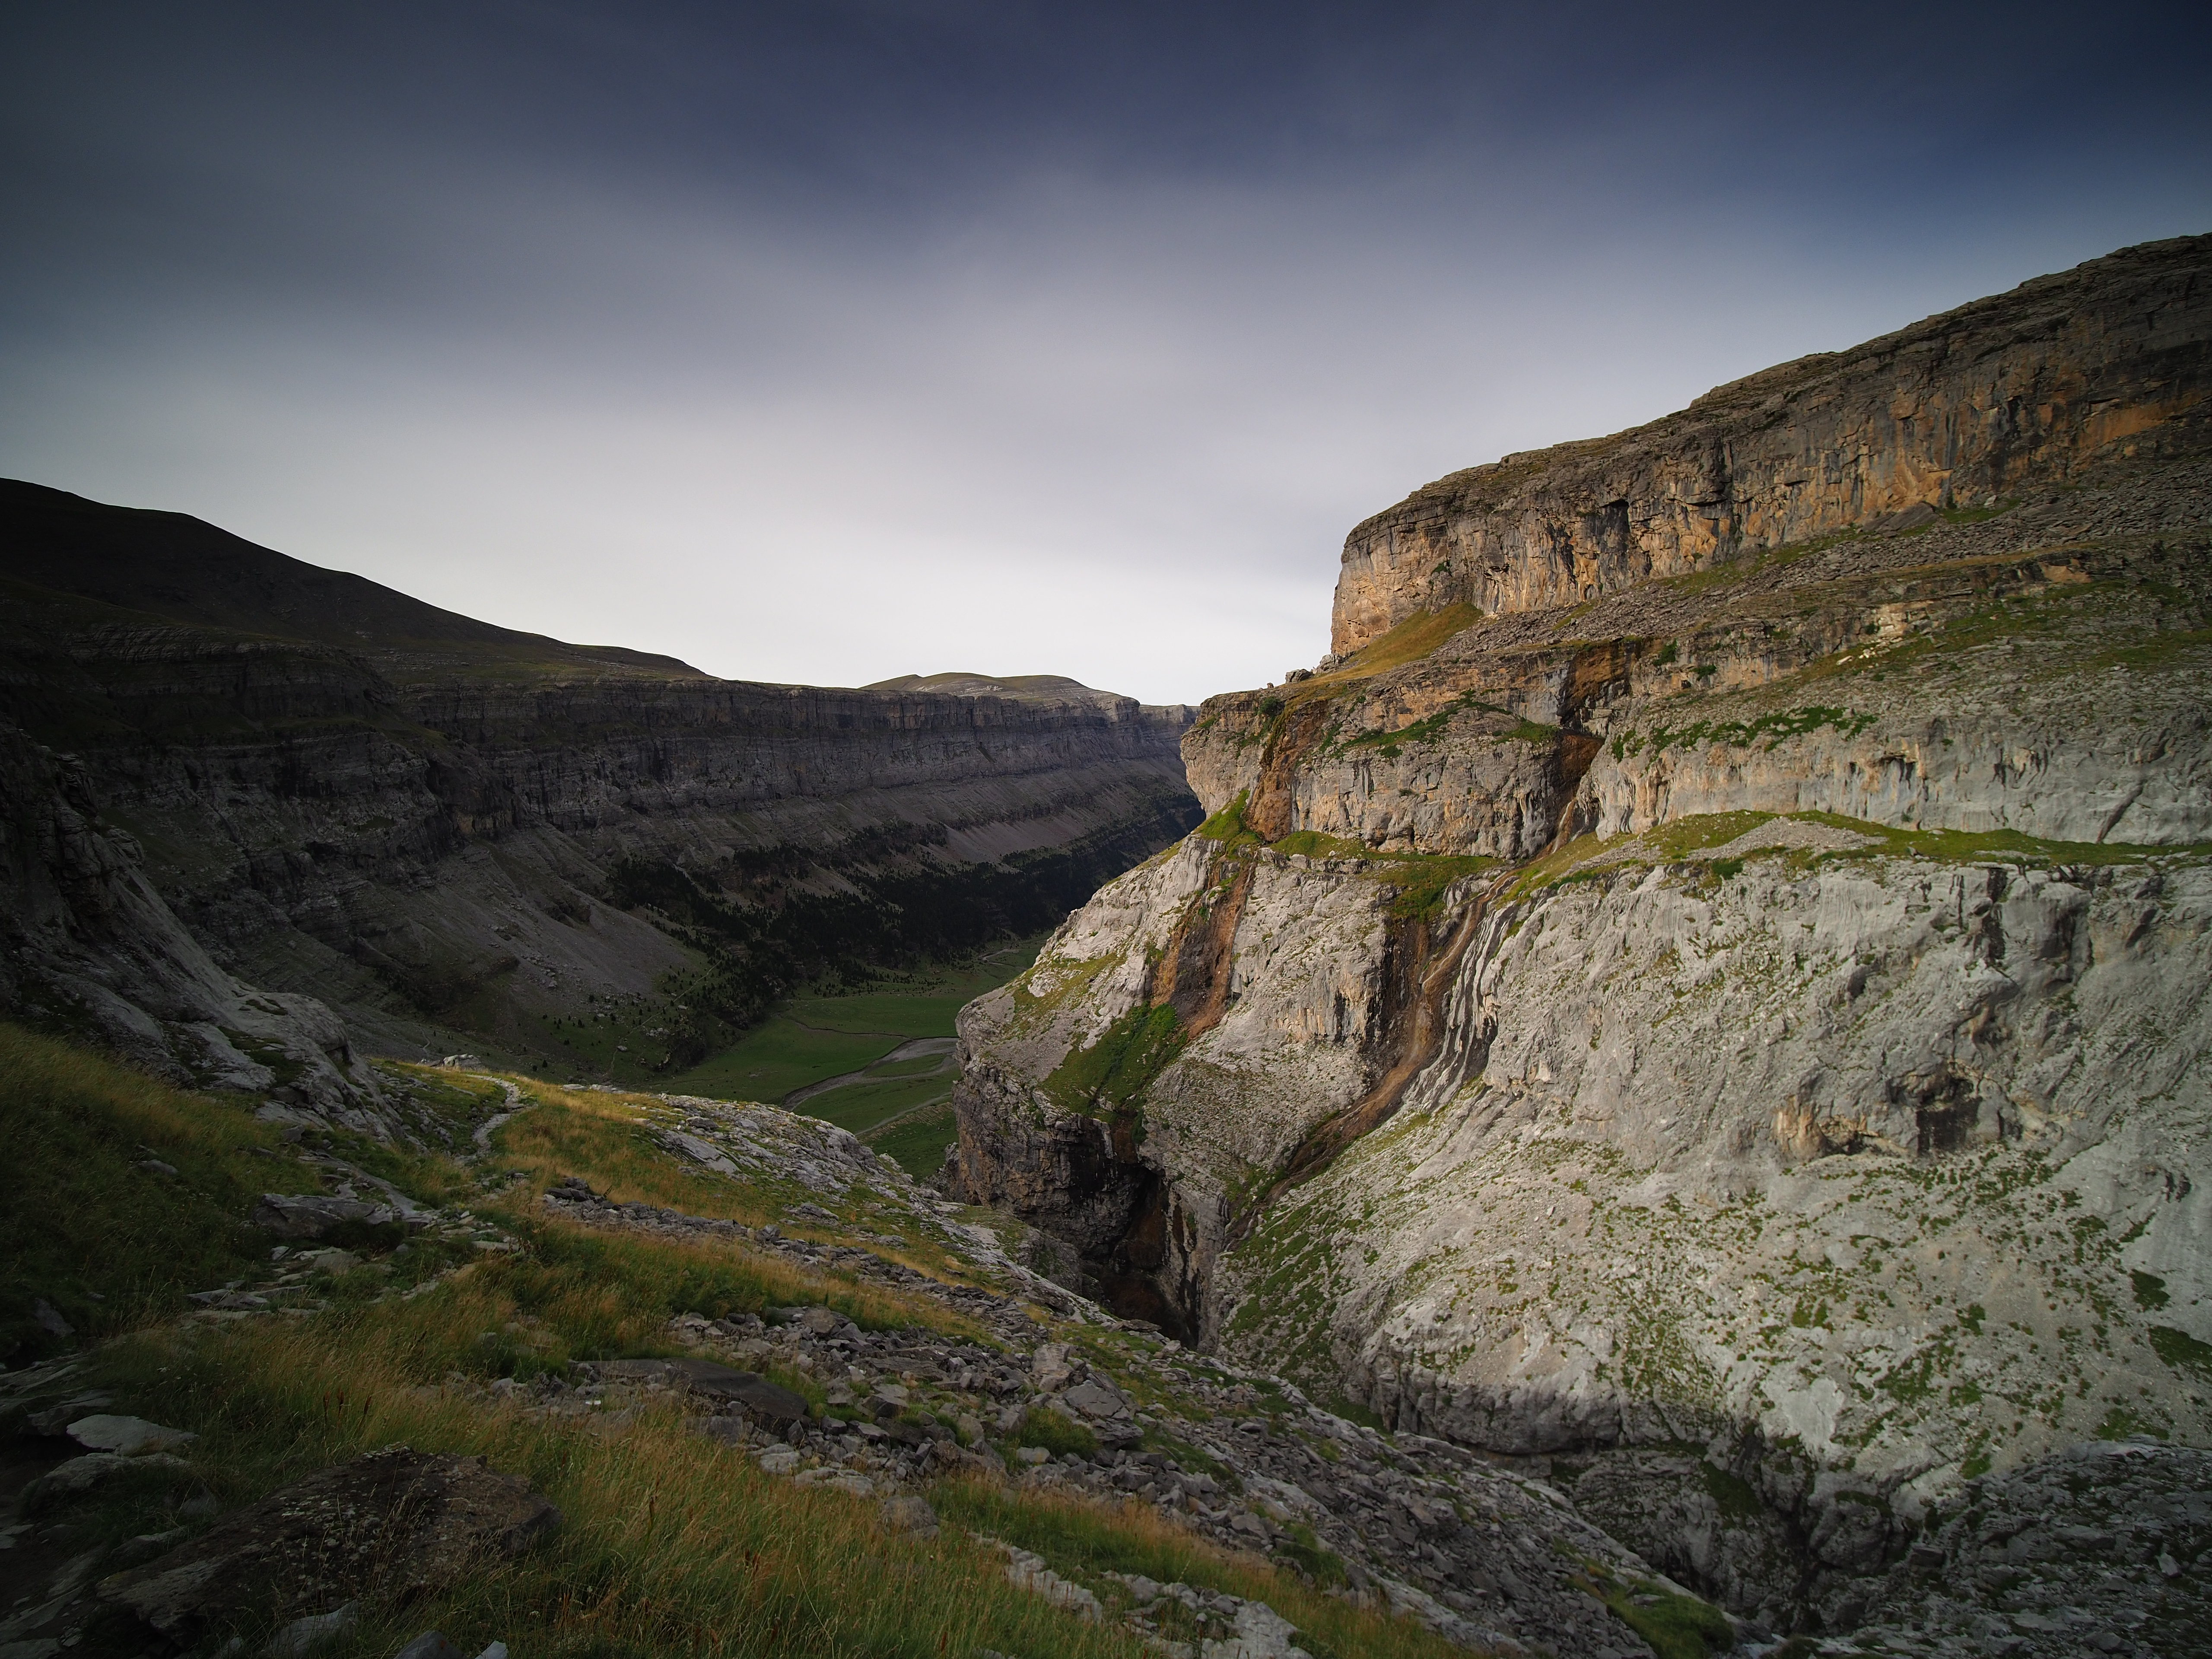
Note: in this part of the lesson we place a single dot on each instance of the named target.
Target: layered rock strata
(1738, 1036)
(2006, 395)
(436, 826)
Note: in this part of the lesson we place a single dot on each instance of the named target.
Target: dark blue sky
(831, 342)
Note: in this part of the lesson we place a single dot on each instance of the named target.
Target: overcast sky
(824, 342)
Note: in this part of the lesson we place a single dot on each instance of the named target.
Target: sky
(825, 342)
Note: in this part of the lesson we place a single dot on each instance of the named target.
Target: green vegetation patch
(812, 1039)
(2120, 1424)
(1676, 1626)
(1422, 881)
(1313, 844)
(2180, 1350)
(1775, 727)
(1055, 1431)
(1738, 1499)
(1227, 826)
(916, 1141)
(1107, 1078)
(92, 1227)
(1419, 636)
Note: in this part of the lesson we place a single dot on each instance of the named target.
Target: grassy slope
(817, 1037)
(670, 1545)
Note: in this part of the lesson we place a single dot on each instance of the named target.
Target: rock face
(1738, 1034)
(395, 1523)
(85, 937)
(225, 765)
(1997, 397)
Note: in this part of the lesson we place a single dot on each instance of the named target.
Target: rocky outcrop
(436, 826)
(86, 943)
(1737, 1036)
(396, 1523)
(1996, 399)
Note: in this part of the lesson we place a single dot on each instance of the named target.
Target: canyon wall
(457, 835)
(1732, 1029)
(2007, 394)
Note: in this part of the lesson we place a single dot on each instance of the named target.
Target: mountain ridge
(459, 836)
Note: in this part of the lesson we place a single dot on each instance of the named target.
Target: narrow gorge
(1701, 993)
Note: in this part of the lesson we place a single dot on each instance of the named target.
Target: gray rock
(1096, 1397)
(303, 1635)
(95, 1469)
(771, 1402)
(430, 1644)
(296, 1215)
(49, 1318)
(398, 1520)
(908, 1515)
(126, 1436)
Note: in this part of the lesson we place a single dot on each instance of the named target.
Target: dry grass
(604, 1138)
(90, 1228)
(670, 1545)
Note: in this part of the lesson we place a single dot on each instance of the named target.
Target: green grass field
(814, 1038)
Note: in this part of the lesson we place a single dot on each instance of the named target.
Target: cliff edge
(1705, 990)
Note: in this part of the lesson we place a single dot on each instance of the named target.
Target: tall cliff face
(446, 830)
(1762, 1009)
(2003, 396)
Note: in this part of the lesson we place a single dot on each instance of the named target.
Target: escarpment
(1726, 1019)
(456, 836)
(2007, 394)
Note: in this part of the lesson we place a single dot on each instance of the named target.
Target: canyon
(264, 820)
(1702, 994)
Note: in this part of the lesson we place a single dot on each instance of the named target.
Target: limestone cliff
(1727, 1016)
(1999, 397)
(455, 835)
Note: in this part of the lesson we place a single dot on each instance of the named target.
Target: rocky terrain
(917, 1375)
(234, 782)
(1704, 992)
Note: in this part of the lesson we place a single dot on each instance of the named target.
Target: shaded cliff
(446, 830)
(1730, 1020)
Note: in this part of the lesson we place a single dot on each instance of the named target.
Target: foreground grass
(671, 1544)
(668, 1544)
(1089, 1539)
(106, 1241)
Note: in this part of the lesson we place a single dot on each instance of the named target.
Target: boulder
(306, 1215)
(908, 1515)
(125, 1436)
(394, 1523)
(747, 1390)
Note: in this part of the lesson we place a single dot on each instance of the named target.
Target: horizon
(825, 345)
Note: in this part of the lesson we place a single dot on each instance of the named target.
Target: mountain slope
(1735, 1027)
(459, 836)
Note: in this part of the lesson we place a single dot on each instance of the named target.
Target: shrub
(1057, 1432)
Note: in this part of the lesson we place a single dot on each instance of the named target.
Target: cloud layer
(825, 342)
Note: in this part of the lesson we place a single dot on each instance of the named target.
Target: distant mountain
(176, 567)
(1022, 688)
